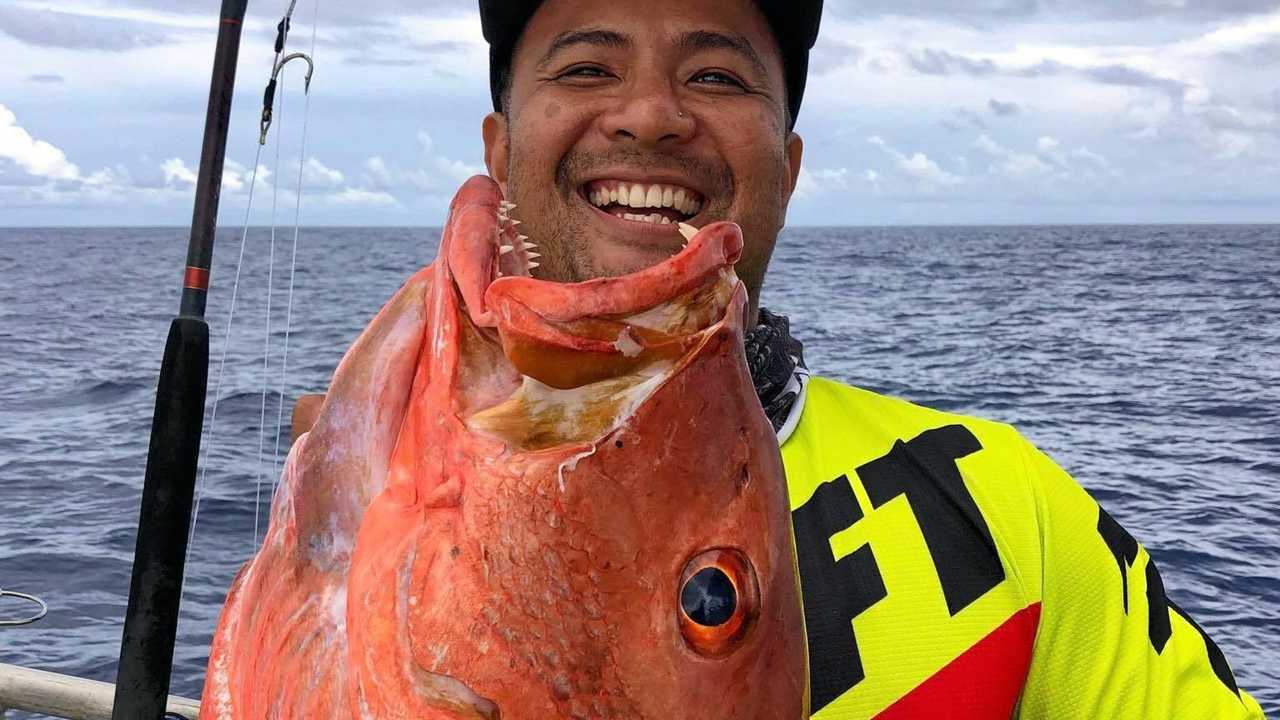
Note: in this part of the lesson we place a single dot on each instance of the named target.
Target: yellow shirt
(951, 570)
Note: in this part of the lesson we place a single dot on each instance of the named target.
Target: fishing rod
(155, 590)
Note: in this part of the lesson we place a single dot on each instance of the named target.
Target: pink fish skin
(504, 495)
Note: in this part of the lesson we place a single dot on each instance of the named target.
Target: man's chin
(607, 258)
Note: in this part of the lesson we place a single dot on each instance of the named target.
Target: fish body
(525, 499)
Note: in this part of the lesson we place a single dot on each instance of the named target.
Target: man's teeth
(639, 195)
(654, 218)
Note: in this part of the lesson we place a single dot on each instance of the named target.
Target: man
(948, 568)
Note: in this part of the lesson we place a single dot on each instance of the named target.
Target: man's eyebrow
(712, 40)
(591, 36)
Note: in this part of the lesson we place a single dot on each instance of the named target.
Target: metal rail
(65, 696)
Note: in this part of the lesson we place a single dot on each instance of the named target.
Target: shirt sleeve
(1111, 644)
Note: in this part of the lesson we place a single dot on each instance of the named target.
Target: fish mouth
(607, 342)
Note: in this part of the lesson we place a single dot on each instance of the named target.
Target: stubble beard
(554, 220)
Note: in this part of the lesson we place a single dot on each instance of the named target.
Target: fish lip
(719, 244)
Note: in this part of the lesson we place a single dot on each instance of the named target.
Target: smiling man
(947, 567)
(609, 132)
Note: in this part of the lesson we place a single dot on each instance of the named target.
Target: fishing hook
(269, 98)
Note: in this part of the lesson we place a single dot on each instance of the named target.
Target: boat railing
(68, 697)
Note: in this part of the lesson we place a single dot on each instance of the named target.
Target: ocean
(1144, 359)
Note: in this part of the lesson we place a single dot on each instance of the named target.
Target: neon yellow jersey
(951, 570)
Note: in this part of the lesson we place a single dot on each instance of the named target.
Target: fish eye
(718, 601)
(709, 598)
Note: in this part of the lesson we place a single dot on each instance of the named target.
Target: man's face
(625, 118)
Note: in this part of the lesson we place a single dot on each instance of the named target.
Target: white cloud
(367, 198)
(176, 172)
(1047, 144)
(1016, 164)
(927, 173)
(434, 173)
(316, 175)
(36, 157)
(811, 183)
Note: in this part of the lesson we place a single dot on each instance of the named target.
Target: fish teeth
(533, 265)
(503, 250)
(534, 255)
(687, 230)
(506, 206)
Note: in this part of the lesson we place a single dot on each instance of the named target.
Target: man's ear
(795, 151)
(497, 148)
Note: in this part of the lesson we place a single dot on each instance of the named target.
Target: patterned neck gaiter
(773, 357)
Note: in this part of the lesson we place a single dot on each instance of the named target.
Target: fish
(528, 499)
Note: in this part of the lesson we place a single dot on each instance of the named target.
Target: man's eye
(715, 77)
(584, 71)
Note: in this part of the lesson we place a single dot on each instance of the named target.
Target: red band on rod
(231, 21)
(196, 278)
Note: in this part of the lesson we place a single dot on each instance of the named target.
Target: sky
(917, 112)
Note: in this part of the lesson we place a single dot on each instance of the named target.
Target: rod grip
(151, 621)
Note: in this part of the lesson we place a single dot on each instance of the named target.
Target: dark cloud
(1131, 77)
(51, 28)
(964, 119)
(1026, 10)
(395, 51)
(940, 62)
(345, 14)
(1003, 109)
(830, 55)
(930, 61)
(47, 78)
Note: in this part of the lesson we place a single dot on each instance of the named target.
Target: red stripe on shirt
(984, 682)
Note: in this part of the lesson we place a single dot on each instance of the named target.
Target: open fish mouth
(606, 342)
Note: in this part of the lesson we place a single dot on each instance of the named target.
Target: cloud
(1003, 109)
(831, 54)
(1032, 10)
(356, 196)
(917, 166)
(1014, 164)
(176, 173)
(317, 176)
(812, 183)
(931, 61)
(46, 78)
(37, 158)
(378, 13)
(1048, 161)
(53, 28)
(435, 174)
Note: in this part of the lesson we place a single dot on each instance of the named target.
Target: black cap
(794, 23)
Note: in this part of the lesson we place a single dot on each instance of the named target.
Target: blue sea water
(1145, 360)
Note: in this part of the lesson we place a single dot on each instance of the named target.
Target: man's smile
(656, 203)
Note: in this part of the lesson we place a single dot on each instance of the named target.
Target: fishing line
(293, 264)
(222, 366)
(269, 101)
(266, 351)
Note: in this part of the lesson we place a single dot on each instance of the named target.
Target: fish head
(622, 543)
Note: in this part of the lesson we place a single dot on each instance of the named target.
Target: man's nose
(649, 114)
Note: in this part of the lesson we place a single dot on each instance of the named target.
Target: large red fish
(524, 499)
